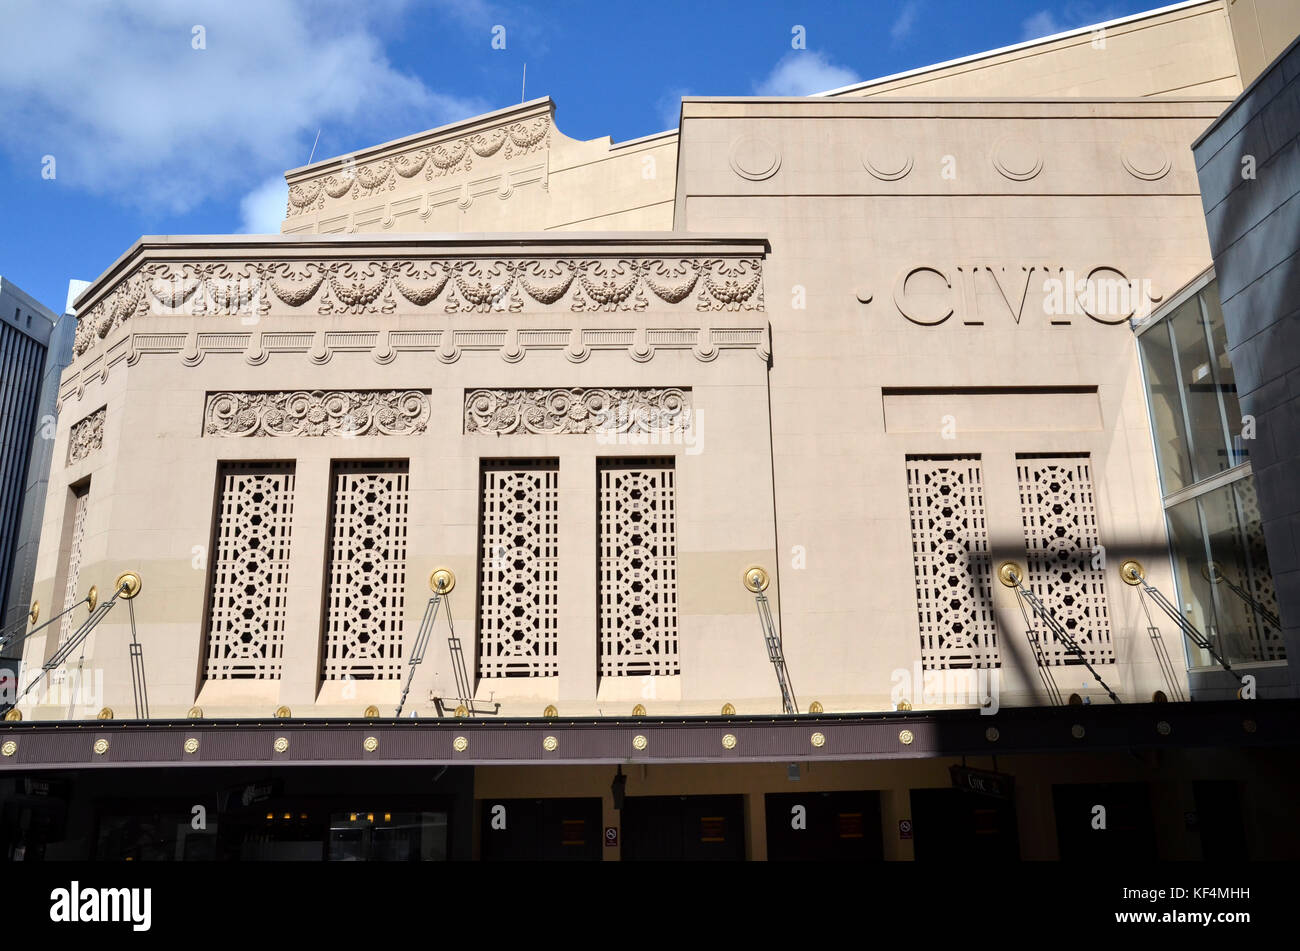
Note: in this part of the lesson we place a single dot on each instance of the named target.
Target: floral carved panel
(578, 410)
(87, 436)
(317, 413)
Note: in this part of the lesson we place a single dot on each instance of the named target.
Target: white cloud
(905, 20)
(1041, 24)
(669, 107)
(262, 209)
(802, 73)
(1073, 15)
(117, 93)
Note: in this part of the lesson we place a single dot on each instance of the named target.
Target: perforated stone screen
(248, 599)
(1060, 523)
(637, 502)
(81, 507)
(950, 559)
(366, 580)
(519, 562)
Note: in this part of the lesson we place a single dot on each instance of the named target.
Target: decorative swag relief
(482, 286)
(363, 181)
(578, 410)
(317, 413)
(87, 436)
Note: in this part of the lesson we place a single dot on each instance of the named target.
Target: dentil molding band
(383, 346)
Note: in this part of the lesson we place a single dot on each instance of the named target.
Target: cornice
(502, 135)
(526, 110)
(252, 278)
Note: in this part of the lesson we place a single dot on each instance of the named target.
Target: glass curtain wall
(1202, 445)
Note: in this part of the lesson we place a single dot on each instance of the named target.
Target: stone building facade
(876, 343)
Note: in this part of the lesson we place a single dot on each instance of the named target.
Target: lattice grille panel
(950, 559)
(248, 604)
(367, 571)
(81, 507)
(1267, 640)
(519, 568)
(638, 569)
(1060, 523)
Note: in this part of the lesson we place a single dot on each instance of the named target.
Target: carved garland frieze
(578, 410)
(87, 436)
(363, 181)
(317, 413)
(462, 286)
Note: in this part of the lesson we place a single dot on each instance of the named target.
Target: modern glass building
(1202, 447)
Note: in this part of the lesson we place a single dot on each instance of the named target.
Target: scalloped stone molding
(1146, 159)
(461, 285)
(434, 161)
(887, 161)
(383, 346)
(578, 410)
(754, 158)
(345, 413)
(1017, 159)
(87, 436)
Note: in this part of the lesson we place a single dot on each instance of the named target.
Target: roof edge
(1027, 44)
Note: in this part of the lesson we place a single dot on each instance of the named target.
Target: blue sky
(149, 135)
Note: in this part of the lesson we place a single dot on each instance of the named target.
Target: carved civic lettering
(928, 294)
(909, 309)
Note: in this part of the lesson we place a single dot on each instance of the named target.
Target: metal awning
(486, 741)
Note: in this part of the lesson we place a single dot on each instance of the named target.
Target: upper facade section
(1181, 50)
(513, 170)
(249, 279)
(509, 170)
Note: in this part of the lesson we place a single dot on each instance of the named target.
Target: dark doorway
(552, 830)
(684, 828)
(1128, 834)
(840, 826)
(952, 824)
(33, 814)
(1219, 821)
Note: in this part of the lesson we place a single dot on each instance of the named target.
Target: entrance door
(952, 825)
(806, 827)
(1128, 833)
(553, 830)
(683, 828)
(1220, 822)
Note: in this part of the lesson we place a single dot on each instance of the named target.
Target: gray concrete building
(1248, 164)
(35, 346)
